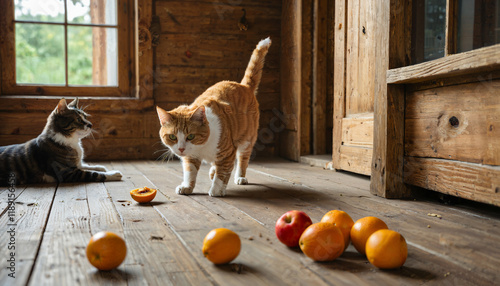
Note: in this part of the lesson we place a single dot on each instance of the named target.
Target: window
(68, 47)
(468, 25)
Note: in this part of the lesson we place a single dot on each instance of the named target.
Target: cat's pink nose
(182, 149)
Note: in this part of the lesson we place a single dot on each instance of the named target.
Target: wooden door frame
(306, 50)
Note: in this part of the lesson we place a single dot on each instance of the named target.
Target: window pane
(478, 24)
(40, 54)
(36, 10)
(435, 25)
(429, 24)
(92, 12)
(92, 56)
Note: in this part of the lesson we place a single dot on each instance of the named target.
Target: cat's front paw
(240, 181)
(113, 175)
(218, 189)
(183, 190)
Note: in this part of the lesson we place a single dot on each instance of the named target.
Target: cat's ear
(74, 103)
(163, 115)
(199, 115)
(62, 105)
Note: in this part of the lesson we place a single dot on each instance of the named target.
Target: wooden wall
(201, 44)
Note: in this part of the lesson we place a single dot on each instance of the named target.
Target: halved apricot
(143, 195)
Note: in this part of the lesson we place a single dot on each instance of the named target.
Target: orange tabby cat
(219, 127)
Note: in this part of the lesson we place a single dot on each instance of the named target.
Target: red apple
(290, 227)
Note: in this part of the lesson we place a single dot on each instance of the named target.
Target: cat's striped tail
(254, 68)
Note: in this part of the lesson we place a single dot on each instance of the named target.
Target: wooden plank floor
(164, 238)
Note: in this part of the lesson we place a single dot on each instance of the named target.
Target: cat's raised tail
(254, 68)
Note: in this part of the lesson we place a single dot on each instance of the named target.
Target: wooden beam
(387, 161)
(339, 76)
(475, 61)
(455, 122)
(306, 69)
(291, 31)
(319, 92)
(482, 183)
(451, 27)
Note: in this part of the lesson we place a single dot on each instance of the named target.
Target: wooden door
(355, 83)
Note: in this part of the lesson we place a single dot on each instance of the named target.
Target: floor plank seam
(179, 237)
(186, 246)
(280, 179)
(435, 253)
(14, 201)
(42, 236)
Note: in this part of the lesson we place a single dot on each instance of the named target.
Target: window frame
(127, 64)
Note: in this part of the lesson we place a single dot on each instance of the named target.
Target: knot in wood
(454, 121)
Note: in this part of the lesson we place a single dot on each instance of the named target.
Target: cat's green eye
(172, 137)
(190, 137)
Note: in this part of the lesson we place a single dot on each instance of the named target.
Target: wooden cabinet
(441, 117)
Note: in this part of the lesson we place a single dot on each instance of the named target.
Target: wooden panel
(356, 159)
(339, 79)
(48, 103)
(213, 17)
(471, 181)
(387, 163)
(352, 87)
(330, 57)
(214, 51)
(358, 131)
(360, 54)
(480, 60)
(460, 122)
(306, 76)
(319, 93)
(125, 125)
(106, 148)
(290, 78)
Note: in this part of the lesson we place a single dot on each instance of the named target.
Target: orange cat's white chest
(208, 151)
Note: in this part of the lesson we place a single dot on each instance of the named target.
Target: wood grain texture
(319, 93)
(479, 60)
(62, 260)
(388, 148)
(356, 159)
(358, 131)
(290, 78)
(307, 84)
(29, 217)
(164, 237)
(339, 79)
(156, 254)
(330, 76)
(459, 122)
(466, 180)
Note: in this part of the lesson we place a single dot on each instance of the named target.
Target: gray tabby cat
(56, 155)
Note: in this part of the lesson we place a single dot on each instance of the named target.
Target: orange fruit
(221, 246)
(362, 229)
(143, 195)
(343, 221)
(322, 241)
(386, 249)
(106, 250)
